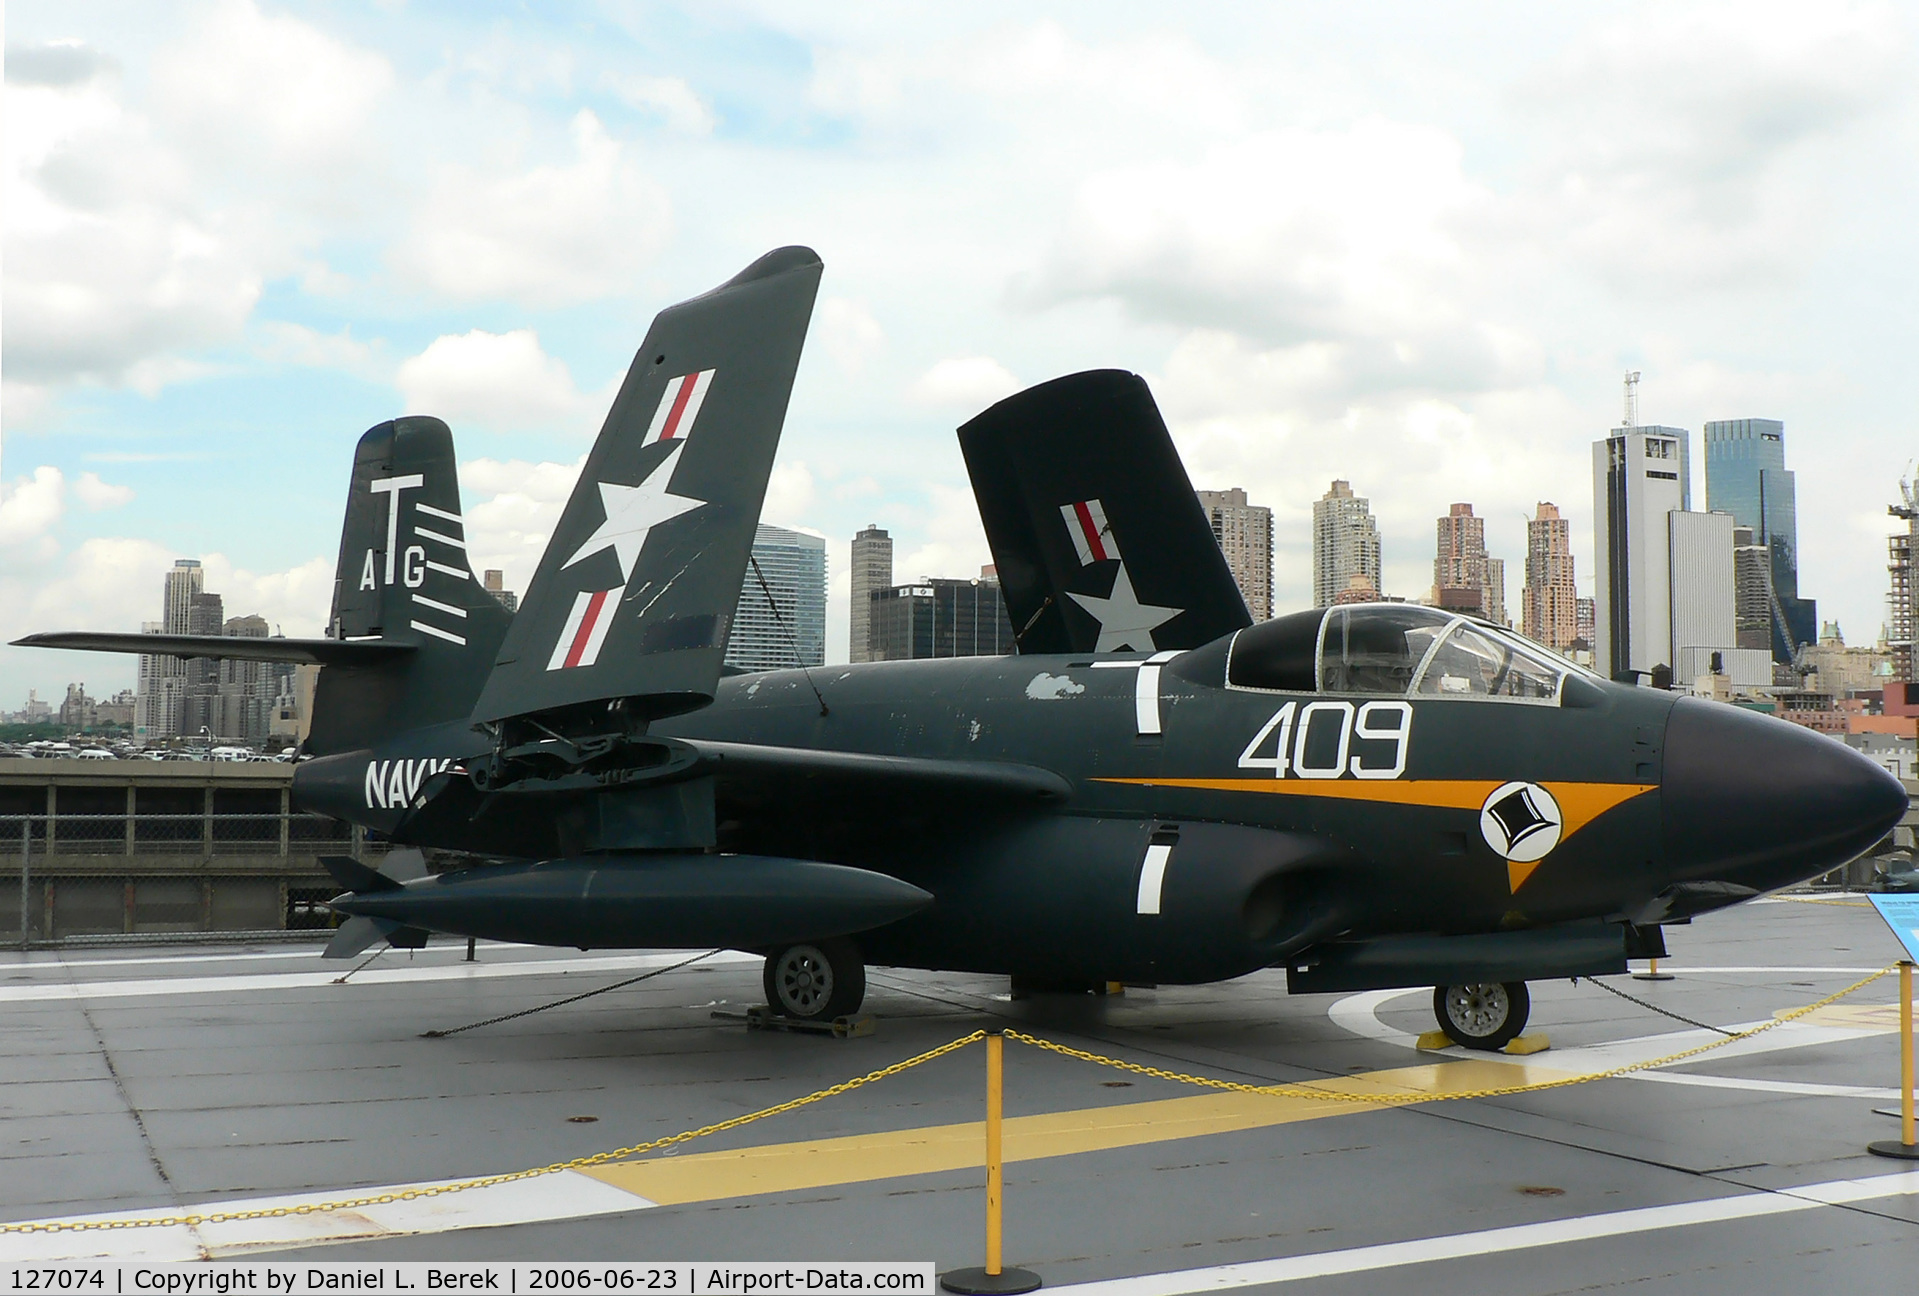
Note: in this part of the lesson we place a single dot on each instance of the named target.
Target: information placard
(1901, 913)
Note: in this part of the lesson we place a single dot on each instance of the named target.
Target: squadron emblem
(1522, 822)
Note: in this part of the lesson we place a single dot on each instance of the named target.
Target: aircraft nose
(1765, 803)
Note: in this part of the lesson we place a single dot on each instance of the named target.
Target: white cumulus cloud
(497, 380)
(30, 506)
(96, 494)
(671, 98)
(967, 383)
(511, 507)
(549, 235)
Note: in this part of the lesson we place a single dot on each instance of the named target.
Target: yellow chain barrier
(833, 1091)
(1416, 1096)
(441, 1190)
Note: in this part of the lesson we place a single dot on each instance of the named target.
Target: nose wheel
(1485, 1015)
(815, 982)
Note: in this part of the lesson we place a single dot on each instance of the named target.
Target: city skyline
(1377, 249)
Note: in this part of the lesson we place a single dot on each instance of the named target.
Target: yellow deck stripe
(860, 1158)
(1579, 803)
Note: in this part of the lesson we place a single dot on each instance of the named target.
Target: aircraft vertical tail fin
(627, 617)
(1100, 542)
(404, 578)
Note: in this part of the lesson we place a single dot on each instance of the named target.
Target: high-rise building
(1459, 563)
(1704, 625)
(161, 683)
(157, 689)
(1359, 589)
(788, 628)
(1496, 591)
(1746, 476)
(1640, 474)
(242, 706)
(1245, 535)
(1902, 567)
(940, 618)
(1345, 543)
(494, 582)
(1665, 573)
(1585, 622)
(206, 615)
(872, 569)
(1751, 590)
(77, 711)
(1549, 605)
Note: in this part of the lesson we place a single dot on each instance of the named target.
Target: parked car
(95, 753)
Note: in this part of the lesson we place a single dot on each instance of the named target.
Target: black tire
(1488, 1015)
(817, 981)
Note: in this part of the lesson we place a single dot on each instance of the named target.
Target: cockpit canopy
(1394, 650)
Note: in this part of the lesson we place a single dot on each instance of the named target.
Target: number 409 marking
(1372, 722)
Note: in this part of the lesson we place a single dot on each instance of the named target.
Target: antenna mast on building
(1632, 398)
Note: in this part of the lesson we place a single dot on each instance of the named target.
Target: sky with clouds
(1413, 246)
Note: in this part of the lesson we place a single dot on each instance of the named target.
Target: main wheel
(815, 982)
(1486, 1015)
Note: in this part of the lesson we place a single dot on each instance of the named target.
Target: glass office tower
(1746, 476)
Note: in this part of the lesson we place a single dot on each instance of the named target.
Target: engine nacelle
(1121, 900)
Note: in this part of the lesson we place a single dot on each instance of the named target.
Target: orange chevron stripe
(1579, 803)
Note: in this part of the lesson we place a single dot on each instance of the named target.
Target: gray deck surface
(164, 1092)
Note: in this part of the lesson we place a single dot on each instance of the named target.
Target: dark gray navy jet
(1152, 790)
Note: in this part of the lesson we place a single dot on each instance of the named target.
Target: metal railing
(94, 878)
(261, 833)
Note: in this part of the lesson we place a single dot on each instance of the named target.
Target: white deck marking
(1358, 1013)
(560, 1196)
(322, 978)
(1459, 1246)
(1795, 1087)
(55, 963)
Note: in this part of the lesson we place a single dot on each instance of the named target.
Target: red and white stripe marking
(1092, 537)
(585, 630)
(679, 406)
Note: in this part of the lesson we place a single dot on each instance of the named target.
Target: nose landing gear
(1486, 1015)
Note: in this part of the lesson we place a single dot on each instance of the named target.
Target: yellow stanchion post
(1907, 1148)
(1652, 973)
(994, 1279)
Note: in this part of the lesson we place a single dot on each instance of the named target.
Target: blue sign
(1901, 913)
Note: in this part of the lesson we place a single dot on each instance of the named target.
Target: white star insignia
(632, 511)
(1124, 622)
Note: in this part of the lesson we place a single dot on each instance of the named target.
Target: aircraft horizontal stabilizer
(634, 597)
(320, 652)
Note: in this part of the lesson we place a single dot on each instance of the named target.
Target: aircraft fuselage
(1213, 830)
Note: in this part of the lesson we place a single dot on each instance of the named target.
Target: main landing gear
(815, 982)
(1486, 1015)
